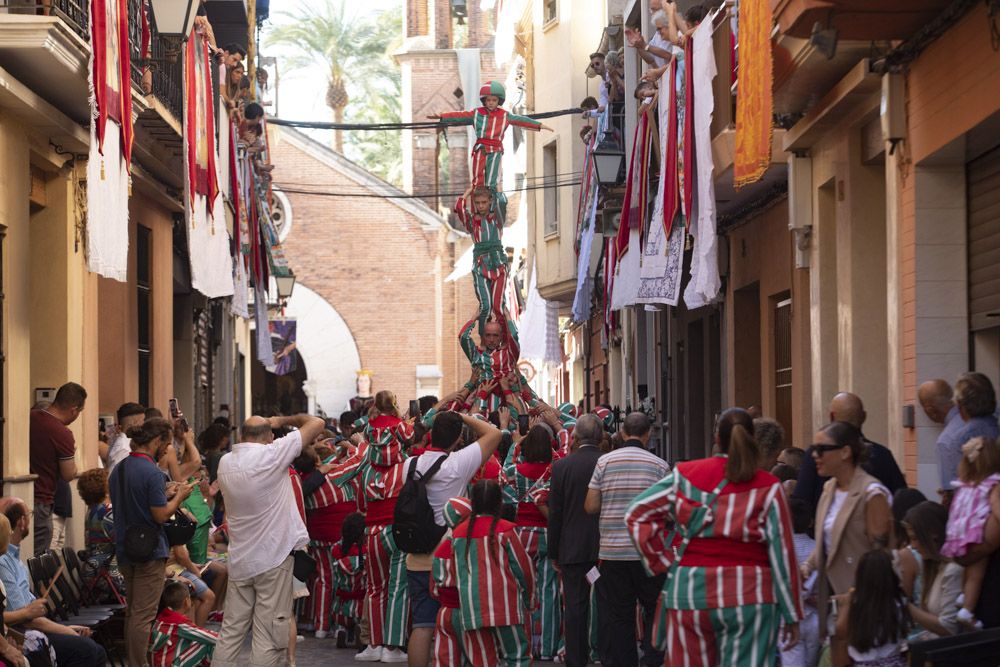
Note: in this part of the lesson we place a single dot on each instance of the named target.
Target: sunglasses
(823, 449)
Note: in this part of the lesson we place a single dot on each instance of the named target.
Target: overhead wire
(403, 195)
(417, 125)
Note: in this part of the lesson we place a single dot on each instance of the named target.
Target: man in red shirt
(52, 452)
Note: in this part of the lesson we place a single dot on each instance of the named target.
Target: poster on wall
(283, 347)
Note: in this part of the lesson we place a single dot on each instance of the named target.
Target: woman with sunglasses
(852, 518)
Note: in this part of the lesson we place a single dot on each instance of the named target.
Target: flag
(111, 139)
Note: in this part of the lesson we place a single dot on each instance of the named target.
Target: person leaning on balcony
(852, 517)
(52, 454)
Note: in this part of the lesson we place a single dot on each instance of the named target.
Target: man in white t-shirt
(265, 527)
(451, 480)
(129, 415)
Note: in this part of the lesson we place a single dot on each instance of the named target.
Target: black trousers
(576, 610)
(76, 651)
(623, 585)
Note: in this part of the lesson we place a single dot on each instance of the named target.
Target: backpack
(413, 527)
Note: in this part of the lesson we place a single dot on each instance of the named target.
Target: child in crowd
(873, 615)
(448, 650)
(969, 518)
(905, 558)
(349, 578)
(104, 580)
(807, 648)
(176, 640)
(526, 464)
(495, 583)
(180, 566)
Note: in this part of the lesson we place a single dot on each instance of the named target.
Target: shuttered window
(983, 179)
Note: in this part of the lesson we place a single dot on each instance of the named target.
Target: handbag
(303, 566)
(140, 540)
(179, 529)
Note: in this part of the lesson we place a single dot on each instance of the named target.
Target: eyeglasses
(819, 449)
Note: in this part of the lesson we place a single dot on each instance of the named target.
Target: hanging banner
(283, 347)
(754, 103)
(705, 282)
(110, 139)
(208, 238)
(663, 252)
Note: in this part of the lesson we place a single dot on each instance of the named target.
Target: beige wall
(848, 274)
(761, 254)
(556, 76)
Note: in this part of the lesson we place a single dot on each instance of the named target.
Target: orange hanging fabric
(754, 101)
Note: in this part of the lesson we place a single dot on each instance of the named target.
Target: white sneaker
(393, 655)
(370, 654)
(321, 634)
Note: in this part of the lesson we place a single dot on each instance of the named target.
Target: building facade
(860, 262)
(147, 338)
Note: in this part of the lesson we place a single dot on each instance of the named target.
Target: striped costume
(326, 509)
(489, 127)
(495, 588)
(489, 263)
(495, 363)
(349, 584)
(731, 557)
(448, 631)
(528, 484)
(178, 642)
(386, 595)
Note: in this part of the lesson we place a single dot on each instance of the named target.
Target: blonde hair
(982, 462)
(4, 534)
(385, 403)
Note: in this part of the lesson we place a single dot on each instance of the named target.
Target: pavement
(314, 652)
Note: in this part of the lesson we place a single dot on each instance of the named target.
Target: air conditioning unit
(800, 206)
(893, 107)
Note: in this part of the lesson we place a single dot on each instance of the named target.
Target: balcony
(45, 44)
(728, 199)
(856, 20)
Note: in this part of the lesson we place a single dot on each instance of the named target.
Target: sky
(302, 92)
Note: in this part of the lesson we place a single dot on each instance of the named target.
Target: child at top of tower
(490, 122)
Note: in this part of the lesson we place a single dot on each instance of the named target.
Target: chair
(61, 594)
(974, 649)
(74, 577)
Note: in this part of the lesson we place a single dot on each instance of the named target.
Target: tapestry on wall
(208, 237)
(754, 104)
(110, 139)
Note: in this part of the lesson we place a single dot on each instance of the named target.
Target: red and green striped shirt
(495, 579)
(744, 554)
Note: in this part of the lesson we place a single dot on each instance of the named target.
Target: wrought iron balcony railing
(166, 76)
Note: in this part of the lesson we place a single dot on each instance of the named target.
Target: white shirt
(658, 42)
(119, 450)
(264, 521)
(451, 478)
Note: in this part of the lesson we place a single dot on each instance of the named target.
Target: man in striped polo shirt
(618, 478)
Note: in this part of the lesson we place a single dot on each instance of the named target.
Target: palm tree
(353, 50)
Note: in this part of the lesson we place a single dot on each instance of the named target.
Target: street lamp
(173, 20)
(608, 160)
(285, 284)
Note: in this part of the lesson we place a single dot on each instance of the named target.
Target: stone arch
(328, 349)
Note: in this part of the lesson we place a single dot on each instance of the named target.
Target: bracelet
(469, 386)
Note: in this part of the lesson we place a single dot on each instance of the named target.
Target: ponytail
(744, 455)
(735, 436)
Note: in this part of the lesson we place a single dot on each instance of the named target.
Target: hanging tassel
(130, 185)
(102, 169)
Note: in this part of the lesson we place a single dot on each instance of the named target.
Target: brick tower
(429, 60)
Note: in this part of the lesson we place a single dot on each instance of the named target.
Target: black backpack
(413, 525)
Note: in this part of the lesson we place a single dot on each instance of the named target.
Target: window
(783, 361)
(550, 172)
(144, 307)
(551, 10)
